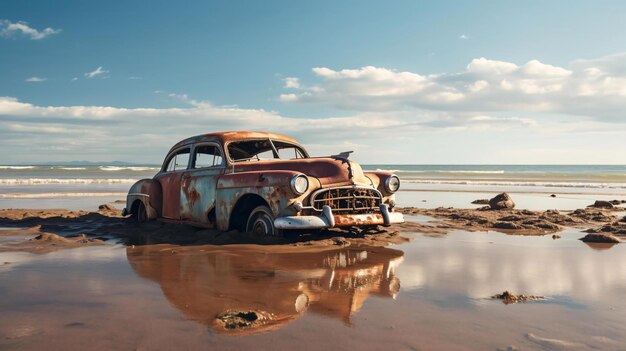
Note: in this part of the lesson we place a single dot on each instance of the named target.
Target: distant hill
(90, 163)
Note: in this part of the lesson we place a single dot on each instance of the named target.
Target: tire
(140, 215)
(261, 222)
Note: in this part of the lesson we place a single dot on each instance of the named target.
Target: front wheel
(261, 222)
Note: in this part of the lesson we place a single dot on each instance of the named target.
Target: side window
(179, 161)
(265, 155)
(289, 153)
(207, 156)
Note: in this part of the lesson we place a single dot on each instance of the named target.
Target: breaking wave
(46, 181)
(589, 185)
(440, 171)
(128, 168)
(55, 195)
(17, 167)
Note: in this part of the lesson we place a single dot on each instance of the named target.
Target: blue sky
(398, 81)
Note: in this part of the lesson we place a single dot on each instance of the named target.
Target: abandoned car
(262, 183)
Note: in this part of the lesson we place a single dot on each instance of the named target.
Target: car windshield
(264, 149)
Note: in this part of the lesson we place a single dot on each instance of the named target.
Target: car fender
(149, 192)
(272, 186)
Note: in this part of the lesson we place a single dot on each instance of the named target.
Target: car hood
(329, 171)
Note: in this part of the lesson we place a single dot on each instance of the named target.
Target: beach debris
(106, 207)
(555, 236)
(602, 204)
(501, 201)
(553, 195)
(600, 238)
(242, 319)
(481, 202)
(508, 297)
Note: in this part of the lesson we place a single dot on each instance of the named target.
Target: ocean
(72, 186)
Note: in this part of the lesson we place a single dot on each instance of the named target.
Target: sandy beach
(71, 276)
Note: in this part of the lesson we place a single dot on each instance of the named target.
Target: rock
(508, 297)
(555, 236)
(481, 202)
(511, 218)
(553, 195)
(501, 202)
(602, 204)
(600, 238)
(507, 225)
(106, 207)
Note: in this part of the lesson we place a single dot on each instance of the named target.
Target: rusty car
(262, 183)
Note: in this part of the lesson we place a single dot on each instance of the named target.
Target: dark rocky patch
(508, 297)
(600, 238)
(481, 202)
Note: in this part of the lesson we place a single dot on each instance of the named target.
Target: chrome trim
(328, 213)
(314, 195)
(327, 219)
(138, 194)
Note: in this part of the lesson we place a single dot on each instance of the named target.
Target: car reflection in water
(206, 283)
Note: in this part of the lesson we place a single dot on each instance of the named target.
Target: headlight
(299, 184)
(392, 184)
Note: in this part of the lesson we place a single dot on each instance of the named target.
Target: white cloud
(97, 72)
(35, 79)
(292, 83)
(591, 88)
(106, 132)
(10, 29)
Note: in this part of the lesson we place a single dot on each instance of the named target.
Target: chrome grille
(347, 200)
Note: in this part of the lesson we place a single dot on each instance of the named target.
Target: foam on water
(48, 181)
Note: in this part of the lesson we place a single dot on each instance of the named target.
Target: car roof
(224, 137)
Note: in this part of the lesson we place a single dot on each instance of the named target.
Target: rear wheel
(140, 215)
(261, 222)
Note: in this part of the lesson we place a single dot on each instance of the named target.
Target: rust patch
(358, 220)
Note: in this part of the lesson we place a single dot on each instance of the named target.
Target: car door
(199, 183)
(170, 178)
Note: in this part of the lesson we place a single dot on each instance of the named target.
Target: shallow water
(432, 293)
(529, 201)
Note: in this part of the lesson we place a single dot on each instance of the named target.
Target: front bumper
(329, 220)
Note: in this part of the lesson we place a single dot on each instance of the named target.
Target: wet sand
(426, 284)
